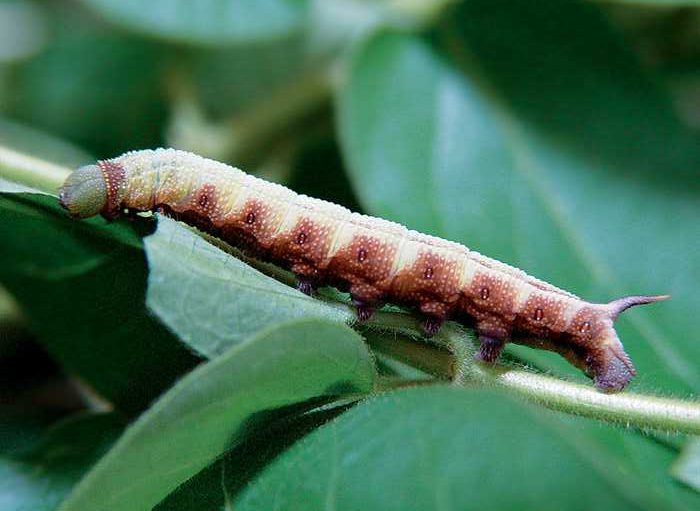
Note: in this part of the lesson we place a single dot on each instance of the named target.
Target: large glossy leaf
(231, 79)
(687, 466)
(208, 22)
(213, 408)
(538, 140)
(243, 78)
(96, 88)
(657, 3)
(22, 32)
(39, 478)
(20, 428)
(81, 286)
(215, 486)
(213, 300)
(449, 448)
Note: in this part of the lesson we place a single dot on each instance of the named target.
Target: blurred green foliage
(558, 136)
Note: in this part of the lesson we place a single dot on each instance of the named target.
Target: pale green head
(84, 193)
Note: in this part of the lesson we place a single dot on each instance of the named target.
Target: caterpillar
(375, 260)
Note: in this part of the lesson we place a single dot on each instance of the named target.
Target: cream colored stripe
(523, 292)
(238, 202)
(460, 272)
(569, 313)
(404, 254)
(468, 271)
(339, 238)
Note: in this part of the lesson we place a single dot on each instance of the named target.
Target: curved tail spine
(622, 304)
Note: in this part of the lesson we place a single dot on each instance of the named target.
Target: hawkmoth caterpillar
(374, 259)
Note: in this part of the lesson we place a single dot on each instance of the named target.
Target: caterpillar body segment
(375, 260)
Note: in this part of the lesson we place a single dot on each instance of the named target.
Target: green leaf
(657, 3)
(20, 428)
(213, 300)
(236, 79)
(213, 408)
(229, 80)
(81, 286)
(208, 22)
(23, 31)
(41, 477)
(95, 88)
(649, 459)
(539, 141)
(687, 466)
(449, 448)
(214, 486)
(12, 187)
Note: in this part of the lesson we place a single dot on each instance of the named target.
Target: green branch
(642, 411)
(31, 171)
(630, 409)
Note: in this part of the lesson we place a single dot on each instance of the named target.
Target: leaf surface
(687, 466)
(81, 286)
(212, 409)
(207, 22)
(213, 300)
(94, 87)
(449, 448)
(40, 477)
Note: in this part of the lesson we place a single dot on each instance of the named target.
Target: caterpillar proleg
(374, 259)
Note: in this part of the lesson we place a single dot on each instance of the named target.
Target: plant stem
(31, 171)
(639, 410)
(419, 13)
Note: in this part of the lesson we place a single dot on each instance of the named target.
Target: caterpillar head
(84, 193)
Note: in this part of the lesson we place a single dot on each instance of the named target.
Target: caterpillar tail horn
(622, 304)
